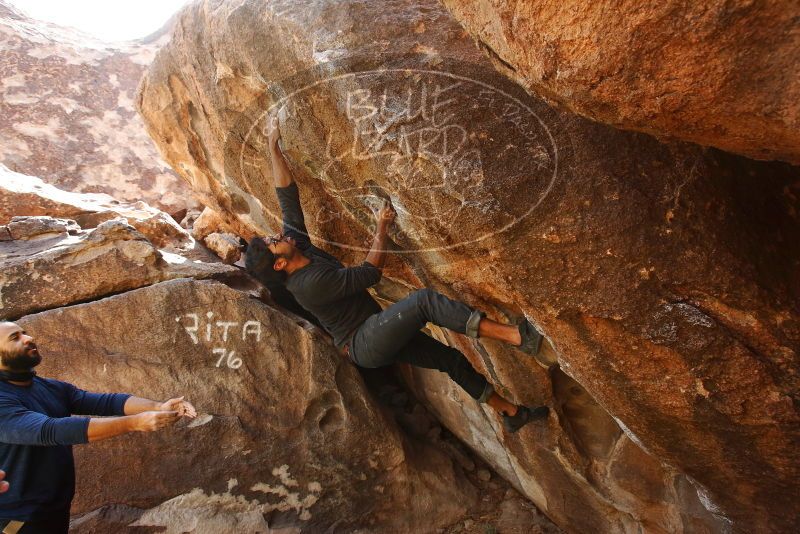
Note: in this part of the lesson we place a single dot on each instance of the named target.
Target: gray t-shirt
(336, 295)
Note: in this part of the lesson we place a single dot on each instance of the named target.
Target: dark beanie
(259, 261)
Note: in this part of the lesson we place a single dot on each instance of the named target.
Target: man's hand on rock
(3, 483)
(179, 405)
(273, 129)
(385, 217)
(151, 421)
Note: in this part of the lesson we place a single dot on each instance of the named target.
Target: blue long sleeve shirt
(37, 431)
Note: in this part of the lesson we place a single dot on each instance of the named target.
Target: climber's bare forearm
(377, 254)
(280, 169)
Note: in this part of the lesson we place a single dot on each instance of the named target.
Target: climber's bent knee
(487, 392)
(473, 323)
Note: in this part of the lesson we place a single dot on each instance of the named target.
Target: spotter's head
(18, 352)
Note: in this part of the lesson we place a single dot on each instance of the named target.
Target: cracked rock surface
(664, 275)
(718, 73)
(23, 195)
(55, 267)
(67, 112)
(285, 438)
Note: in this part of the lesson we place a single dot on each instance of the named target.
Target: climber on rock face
(37, 432)
(337, 296)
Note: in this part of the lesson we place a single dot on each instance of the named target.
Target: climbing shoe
(524, 415)
(532, 343)
(531, 338)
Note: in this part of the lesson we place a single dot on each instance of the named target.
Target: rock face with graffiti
(286, 433)
(120, 297)
(663, 275)
(214, 332)
(440, 164)
(287, 437)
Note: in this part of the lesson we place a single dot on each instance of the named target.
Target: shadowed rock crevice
(592, 430)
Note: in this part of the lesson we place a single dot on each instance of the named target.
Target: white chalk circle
(450, 149)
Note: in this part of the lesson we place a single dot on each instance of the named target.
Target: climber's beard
(24, 360)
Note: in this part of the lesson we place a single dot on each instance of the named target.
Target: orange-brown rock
(26, 228)
(22, 195)
(665, 276)
(226, 246)
(67, 113)
(720, 73)
(48, 263)
(207, 223)
(285, 440)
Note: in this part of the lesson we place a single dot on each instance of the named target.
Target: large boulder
(664, 275)
(22, 195)
(46, 263)
(226, 246)
(286, 437)
(630, 490)
(207, 223)
(720, 73)
(27, 228)
(67, 113)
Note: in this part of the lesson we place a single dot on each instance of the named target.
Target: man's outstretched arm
(280, 169)
(85, 403)
(294, 223)
(141, 415)
(21, 426)
(135, 405)
(136, 414)
(107, 427)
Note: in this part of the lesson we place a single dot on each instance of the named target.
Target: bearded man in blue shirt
(38, 429)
